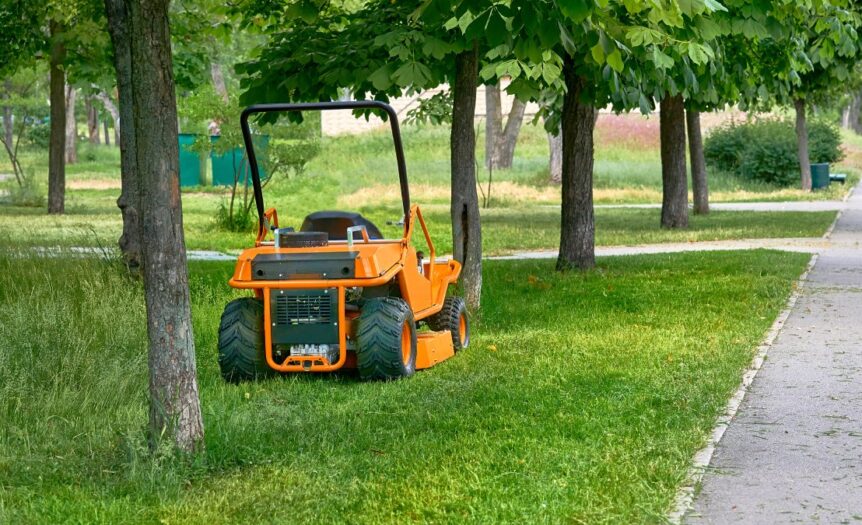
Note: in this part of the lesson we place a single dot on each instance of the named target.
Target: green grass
(92, 219)
(358, 173)
(581, 399)
(627, 165)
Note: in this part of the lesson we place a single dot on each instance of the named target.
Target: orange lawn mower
(336, 294)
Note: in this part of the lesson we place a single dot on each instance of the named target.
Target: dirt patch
(501, 192)
(98, 184)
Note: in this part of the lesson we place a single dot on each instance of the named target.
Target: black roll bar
(321, 106)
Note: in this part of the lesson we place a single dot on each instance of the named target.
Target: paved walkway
(793, 452)
(750, 206)
(801, 244)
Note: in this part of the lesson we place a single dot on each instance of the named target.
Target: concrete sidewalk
(793, 452)
(749, 206)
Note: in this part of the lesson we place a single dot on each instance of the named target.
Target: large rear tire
(241, 354)
(386, 340)
(453, 318)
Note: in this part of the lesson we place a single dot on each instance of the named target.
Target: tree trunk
(92, 122)
(698, 163)
(500, 142)
(802, 144)
(218, 80)
(106, 132)
(175, 411)
(509, 139)
(105, 99)
(466, 230)
(129, 201)
(674, 177)
(853, 116)
(71, 155)
(493, 125)
(7, 114)
(577, 221)
(555, 165)
(57, 144)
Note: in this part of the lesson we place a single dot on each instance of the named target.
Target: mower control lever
(353, 229)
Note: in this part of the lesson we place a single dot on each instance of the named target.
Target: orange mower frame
(340, 298)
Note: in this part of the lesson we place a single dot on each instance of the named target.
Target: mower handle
(320, 106)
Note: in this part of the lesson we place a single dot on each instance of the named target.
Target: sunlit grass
(581, 399)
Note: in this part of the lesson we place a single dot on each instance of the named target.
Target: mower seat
(335, 224)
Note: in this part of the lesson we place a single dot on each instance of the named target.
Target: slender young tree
(500, 138)
(71, 149)
(175, 411)
(699, 185)
(57, 143)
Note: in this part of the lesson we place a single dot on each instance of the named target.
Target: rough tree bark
(57, 143)
(674, 178)
(106, 131)
(500, 140)
(699, 185)
(577, 221)
(128, 202)
(555, 164)
(175, 411)
(802, 144)
(71, 154)
(92, 122)
(7, 114)
(466, 230)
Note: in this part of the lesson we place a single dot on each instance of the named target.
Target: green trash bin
(819, 176)
(226, 165)
(190, 162)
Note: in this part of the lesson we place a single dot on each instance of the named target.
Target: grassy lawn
(358, 173)
(92, 219)
(627, 166)
(581, 399)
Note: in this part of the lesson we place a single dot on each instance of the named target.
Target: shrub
(236, 219)
(28, 194)
(770, 154)
(824, 142)
(39, 135)
(765, 150)
(723, 146)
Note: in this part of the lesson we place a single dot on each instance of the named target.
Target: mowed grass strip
(92, 219)
(581, 399)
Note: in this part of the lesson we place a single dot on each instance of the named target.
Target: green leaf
(713, 5)
(598, 53)
(382, 78)
(661, 60)
(576, 10)
(615, 60)
(496, 31)
(550, 73)
(697, 54)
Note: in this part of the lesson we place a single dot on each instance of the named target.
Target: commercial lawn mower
(335, 294)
